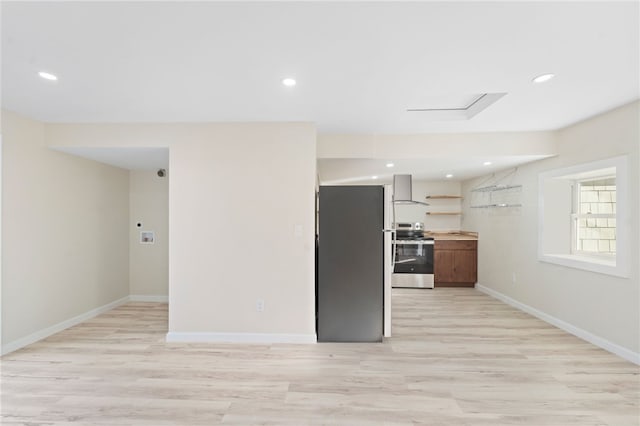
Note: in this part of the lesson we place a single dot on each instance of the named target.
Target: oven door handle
(406, 260)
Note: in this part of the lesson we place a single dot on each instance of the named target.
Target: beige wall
(232, 241)
(605, 306)
(214, 201)
(65, 241)
(149, 206)
(235, 201)
(417, 213)
(436, 145)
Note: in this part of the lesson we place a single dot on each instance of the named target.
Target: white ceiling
(359, 65)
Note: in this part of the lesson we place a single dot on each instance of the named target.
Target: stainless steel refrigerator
(351, 271)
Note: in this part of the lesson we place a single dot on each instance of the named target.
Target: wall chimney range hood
(402, 190)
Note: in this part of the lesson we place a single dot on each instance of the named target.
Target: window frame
(617, 265)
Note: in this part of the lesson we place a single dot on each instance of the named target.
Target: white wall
(148, 263)
(603, 306)
(233, 242)
(65, 241)
(557, 208)
(436, 145)
(417, 213)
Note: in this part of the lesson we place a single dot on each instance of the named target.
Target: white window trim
(618, 267)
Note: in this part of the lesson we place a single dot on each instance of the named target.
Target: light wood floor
(458, 357)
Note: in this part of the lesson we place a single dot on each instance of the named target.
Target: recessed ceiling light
(289, 82)
(449, 176)
(390, 164)
(374, 177)
(542, 78)
(486, 163)
(47, 76)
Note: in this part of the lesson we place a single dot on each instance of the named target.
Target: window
(583, 216)
(594, 217)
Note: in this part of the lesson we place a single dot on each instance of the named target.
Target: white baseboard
(149, 298)
(175, 337)
(44, 333)
(614, 348)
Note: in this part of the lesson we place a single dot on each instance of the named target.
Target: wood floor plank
(457, 357)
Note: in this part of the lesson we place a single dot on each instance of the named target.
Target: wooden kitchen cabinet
(455, 263)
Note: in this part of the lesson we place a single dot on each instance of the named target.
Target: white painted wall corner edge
(56, 328)
(614, 348)
(268, 338)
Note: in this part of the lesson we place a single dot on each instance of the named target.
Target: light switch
(297, 231)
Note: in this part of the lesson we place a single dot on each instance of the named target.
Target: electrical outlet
(260, 305)
(513, 277)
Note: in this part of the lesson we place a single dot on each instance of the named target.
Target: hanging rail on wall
(497, 187)
(493, 185)
(486, 206)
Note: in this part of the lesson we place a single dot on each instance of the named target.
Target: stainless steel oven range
(413, 262)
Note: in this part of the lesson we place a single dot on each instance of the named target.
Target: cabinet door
(465, 266)
(443, 264)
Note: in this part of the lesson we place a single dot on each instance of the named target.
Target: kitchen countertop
(452, 235)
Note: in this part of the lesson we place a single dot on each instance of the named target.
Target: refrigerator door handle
(393, 254)
(393, 246)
